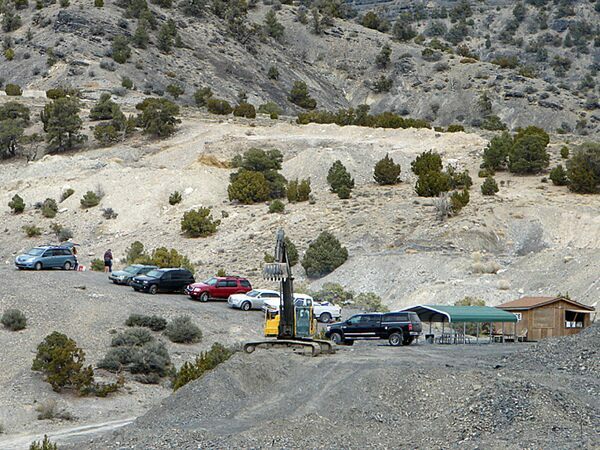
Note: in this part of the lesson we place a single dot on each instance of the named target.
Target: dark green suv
(162, 280)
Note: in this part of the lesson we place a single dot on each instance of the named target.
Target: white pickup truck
(323, 311)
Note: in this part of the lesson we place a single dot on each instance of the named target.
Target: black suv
(399, 328)
(163, 280)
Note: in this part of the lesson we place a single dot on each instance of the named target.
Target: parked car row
(148, 278)
(236, 290)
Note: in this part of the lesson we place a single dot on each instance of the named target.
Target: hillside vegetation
(486, 65)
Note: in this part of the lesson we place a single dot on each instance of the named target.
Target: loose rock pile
(369, 397)
(579, 353)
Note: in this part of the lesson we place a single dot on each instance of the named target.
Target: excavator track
(316, 347)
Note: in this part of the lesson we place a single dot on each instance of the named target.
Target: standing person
(74, 251)
(108, 259)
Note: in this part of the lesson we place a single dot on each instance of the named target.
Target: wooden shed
(541, 317)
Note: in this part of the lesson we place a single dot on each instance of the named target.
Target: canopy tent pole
(443, 323)
(477, 333)
(464, 332)
(503, 332)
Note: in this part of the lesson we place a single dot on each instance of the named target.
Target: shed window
(573, 319)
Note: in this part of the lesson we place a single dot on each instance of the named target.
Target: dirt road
(71, 435)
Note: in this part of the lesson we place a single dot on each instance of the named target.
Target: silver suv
(47, 257)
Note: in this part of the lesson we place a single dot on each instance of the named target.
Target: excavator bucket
(276, 272)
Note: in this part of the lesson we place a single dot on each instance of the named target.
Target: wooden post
(516, 339)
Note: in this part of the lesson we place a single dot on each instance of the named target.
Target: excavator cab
(305, 323)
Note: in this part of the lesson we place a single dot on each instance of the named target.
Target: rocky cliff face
(549, 54)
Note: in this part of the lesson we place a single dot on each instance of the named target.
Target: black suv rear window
(245, 283)
(414, 317)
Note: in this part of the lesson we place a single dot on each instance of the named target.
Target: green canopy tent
(463, 314)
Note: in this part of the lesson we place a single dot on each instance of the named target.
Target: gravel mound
(353, 400)
(579, 353)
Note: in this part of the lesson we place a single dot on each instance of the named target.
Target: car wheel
(336, 338)
(115, 282)
(395, 339)
(325, 317)
(204, 297)
(246, 306)
(38, 266)
(67, 265)
(153, 289)
(136, 289)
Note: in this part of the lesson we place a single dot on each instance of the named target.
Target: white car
(253, 299)
(324, 311)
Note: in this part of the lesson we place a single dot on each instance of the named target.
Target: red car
(218, 288)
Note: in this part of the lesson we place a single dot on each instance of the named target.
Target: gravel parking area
(89, 309)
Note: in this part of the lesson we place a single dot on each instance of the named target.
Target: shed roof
(448, 313)
(525, 303)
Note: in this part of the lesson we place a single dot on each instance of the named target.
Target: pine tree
(158, 116)
(140, 38)
(528, 154)
(299, 95)
(340, 179)
(496, 153)
(382, 61)
(324, 255)
(11, 131)
(386, 171)
(583, 169)
(120, 49)
(272, 26)
(489, 186)
(62, 123)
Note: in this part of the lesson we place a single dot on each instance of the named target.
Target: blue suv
(47, 257)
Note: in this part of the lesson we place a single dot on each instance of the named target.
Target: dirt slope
(543, 237)
(380, 397)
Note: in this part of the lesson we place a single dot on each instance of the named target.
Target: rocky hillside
(536, 62)
(535, 237)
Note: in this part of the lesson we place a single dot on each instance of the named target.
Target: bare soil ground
(89, 309)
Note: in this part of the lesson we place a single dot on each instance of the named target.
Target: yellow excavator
(306, 314)
(293, 325)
